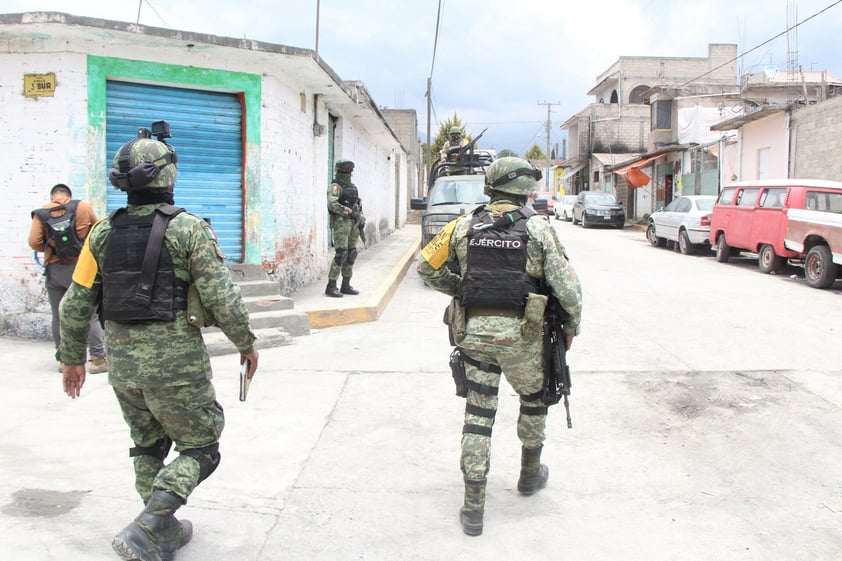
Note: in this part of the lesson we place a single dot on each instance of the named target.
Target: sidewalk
(377, 274)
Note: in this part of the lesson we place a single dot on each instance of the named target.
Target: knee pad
(158, 450)
(352, 255)
(208, 458)
(341, 255)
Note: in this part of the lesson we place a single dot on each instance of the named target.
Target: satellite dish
(770, 71)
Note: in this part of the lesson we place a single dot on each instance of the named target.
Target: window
(726, 197)
(683, 205)
(747, 197)
(596, 177)
(662, 114)
(773, 198)
(636, 95)
(823, 201)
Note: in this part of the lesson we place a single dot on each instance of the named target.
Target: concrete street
(706, 426)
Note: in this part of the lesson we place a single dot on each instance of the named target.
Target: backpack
(61, 229)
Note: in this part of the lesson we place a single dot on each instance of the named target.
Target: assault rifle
(556, 372)
(359, 220)
(456, 153)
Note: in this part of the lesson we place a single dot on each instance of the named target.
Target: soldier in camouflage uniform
(496, 317)
(159, 365)
(345, 208)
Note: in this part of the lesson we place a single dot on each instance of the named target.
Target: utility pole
(548, 127)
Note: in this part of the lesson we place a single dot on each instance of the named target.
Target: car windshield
(601, 198)
(568, 199)
(448, 192)
(543, 196)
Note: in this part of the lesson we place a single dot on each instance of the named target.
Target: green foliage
(535, 153)
(506, 153)
(444, 134)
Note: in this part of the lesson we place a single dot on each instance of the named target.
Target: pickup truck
(817, 236)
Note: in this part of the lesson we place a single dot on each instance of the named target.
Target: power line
(784, 32)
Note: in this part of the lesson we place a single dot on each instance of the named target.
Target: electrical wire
(784, 32)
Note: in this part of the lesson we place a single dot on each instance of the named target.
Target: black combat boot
(533, 474)
(156, 534)
(331, 289)
(347, 288)
(470, 515)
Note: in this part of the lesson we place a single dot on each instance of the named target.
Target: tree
(444, 134)
(535, 153)
(506, 153)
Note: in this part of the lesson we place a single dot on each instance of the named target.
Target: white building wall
(48, 141)
(764, 134)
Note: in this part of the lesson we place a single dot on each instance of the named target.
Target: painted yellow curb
(374, 306)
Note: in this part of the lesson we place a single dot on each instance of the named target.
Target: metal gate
(207, 135)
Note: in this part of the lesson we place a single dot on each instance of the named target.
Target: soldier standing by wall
(58, 229)
(509, 261)
(160, 370)
(346, 221)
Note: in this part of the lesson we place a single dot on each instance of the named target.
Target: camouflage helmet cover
(343, 166)
(144, 163)
(512, 175)
(455, 130)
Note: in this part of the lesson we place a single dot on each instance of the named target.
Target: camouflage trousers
(500, 343)
(188, 414)
(345, 236)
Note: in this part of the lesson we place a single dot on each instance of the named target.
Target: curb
(374, 306)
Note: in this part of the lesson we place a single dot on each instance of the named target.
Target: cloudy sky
(497, 62)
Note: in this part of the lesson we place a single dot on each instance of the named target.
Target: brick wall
(816, 141)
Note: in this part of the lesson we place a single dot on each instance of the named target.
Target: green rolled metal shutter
(207, 136)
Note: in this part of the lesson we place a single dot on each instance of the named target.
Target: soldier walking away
(510, 262)
(347, 222)
(156, 269)
(58, 230)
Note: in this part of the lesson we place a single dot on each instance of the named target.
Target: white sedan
(686, 221)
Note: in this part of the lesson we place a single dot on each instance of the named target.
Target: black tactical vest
(350, 195)
(62, 229)
(138, 279)
(496, 271)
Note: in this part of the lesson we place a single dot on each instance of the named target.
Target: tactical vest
(496, 270)
(350, 195)
(62, 229)
(138, 279)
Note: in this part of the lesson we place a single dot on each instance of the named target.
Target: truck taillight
(705, 220)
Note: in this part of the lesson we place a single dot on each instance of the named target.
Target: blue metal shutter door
(207, 136)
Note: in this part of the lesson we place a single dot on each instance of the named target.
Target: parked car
(454, 190)
(598, 208)
(816, 233)
(753, 216)
(542, 202)
(563, 208)
(685, 221)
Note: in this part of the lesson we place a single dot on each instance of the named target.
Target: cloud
(495, 59)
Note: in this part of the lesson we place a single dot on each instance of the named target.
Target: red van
(753, 216)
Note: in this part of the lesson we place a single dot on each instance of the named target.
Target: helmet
(512, 175)
(344, 166)
(455, 130)
(144, 163)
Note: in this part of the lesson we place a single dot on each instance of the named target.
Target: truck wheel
(723, 252)
(684, 245)
(768, 260)
(819, 268)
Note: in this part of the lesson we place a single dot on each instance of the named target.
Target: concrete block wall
(816, 141)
